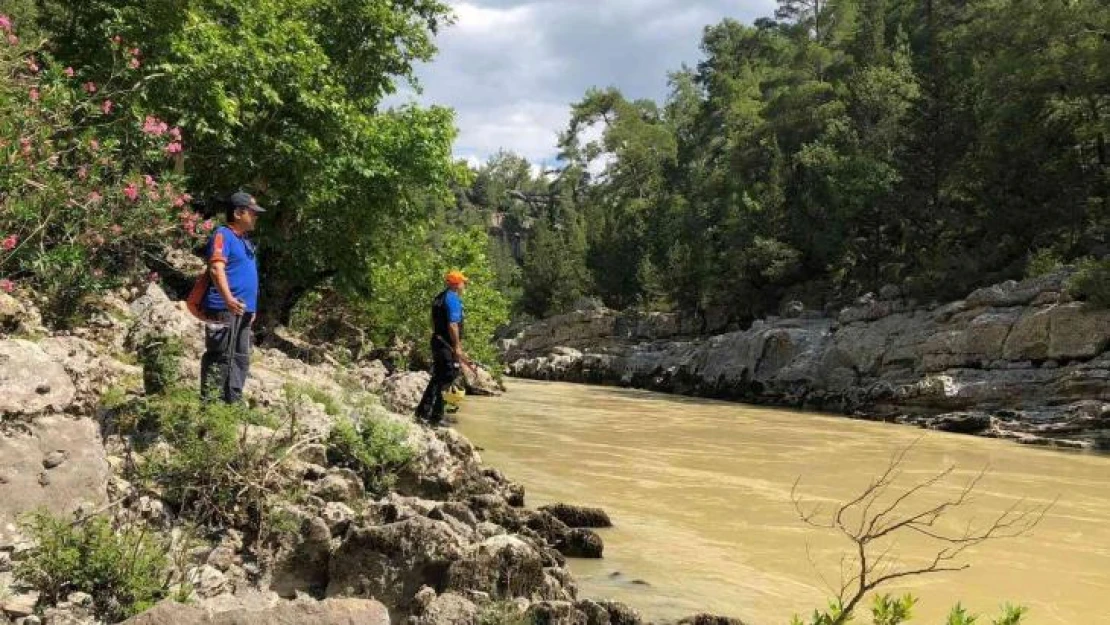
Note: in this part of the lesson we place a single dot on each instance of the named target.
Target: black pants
(227, 356)
(445, 369)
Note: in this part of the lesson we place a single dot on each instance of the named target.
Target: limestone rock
(449, 609)
(31, 381)
(330, 612)
(155, 314)
(578, 516)
(81, 478)
(501, 566)
(401, 392)
(392, 562)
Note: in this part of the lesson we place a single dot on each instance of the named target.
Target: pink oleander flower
(178, 202)
(33, 66)
(25, 146)
(13, 40)
(34, 94)
(134, 52)
(116, 229)
(148, 180)
(5, 23)
(134, 63)
(131, 191)
(98, 273)
(117, 40)
(82, 172)
(174, 148)
(10, 242)
(89, 87)
(94, 145)
(94, 197)
(106, 107)
(175, 133)
(154, 126)
(207, 225)
(7, 285)
(69, 72)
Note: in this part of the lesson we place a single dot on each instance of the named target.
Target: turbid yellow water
(699, 492)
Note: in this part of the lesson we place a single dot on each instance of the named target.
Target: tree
(884, 511)
(284, 98)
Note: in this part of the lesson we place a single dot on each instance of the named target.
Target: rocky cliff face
(1014, 360)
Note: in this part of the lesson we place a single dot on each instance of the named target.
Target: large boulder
(91, 371)
(55, 463)
(157, 315)
(578, 516)
(449, 609)
(31, 381)
(344, 611)
(502, 567)
(392, 562)
(401, 392)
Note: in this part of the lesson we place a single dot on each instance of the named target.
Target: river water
(699, 492)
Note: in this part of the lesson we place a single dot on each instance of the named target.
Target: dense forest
(813, 156)
(842, 145)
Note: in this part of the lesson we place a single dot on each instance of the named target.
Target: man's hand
(236, 307)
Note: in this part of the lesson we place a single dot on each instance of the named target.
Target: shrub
(331, 405)
(374, 448)
(1092, 282)
(210, 470)
(503, 613)
(160, 357)
(87, 181)
(122, 568)
(1043, 261)
(888, 610)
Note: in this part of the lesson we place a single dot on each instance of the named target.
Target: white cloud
(511, 68)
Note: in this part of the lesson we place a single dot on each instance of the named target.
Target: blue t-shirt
(454, 307)
(237, 252)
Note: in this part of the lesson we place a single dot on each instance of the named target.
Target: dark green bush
(209, 470)
(124, 568)
(160, 357)
(374, 448)
(1092, 282)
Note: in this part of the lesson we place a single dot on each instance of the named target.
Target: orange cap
(455, 277)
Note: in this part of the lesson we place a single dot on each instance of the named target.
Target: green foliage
(1043, 262)
(503, 613)
(888, 610)
(160, 357)
(122, 568)
(330, 404)
(285, 99)
(1091, 282)
(407, 278)
(845, 146)
(209, 470)
(88, 181)
(375, 448)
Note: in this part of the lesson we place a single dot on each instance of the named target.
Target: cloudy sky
(511, 68)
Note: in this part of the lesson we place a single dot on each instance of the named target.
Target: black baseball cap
(246, 200)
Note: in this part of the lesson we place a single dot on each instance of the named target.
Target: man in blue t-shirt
(447, 351)
(231, 302)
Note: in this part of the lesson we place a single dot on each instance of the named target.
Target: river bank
(1018, 360)
(445, 540)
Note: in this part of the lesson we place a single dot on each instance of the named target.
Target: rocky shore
(1017, 360)
(451, 542)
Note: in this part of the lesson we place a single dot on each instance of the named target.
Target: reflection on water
(700, 495)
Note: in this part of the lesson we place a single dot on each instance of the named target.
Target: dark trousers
(445, 369)
(227, 356)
